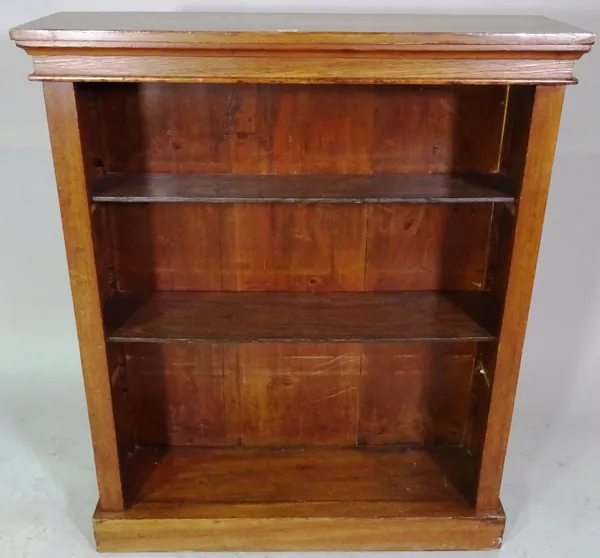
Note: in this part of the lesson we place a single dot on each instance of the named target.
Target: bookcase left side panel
(88, 273)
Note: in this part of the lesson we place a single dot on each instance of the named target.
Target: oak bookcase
(301, 252)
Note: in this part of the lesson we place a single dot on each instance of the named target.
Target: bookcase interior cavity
(302, 284)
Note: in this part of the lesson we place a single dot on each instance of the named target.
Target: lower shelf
(311, 499)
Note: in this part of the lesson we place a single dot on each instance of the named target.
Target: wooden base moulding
(301, 499)
(158, 529)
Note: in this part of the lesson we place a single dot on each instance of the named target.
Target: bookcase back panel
(285, 247)
(293, 129)
(271, 394)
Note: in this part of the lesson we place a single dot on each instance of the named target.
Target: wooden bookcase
(301, 251)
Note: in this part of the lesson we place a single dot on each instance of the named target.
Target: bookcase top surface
(201, 29)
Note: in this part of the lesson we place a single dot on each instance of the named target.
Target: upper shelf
(327, 188)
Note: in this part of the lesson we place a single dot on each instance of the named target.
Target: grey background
(40, 379)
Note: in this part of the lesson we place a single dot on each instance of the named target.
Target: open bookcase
(301, 298)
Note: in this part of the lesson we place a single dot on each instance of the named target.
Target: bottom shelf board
(326, 474)
(299, 499)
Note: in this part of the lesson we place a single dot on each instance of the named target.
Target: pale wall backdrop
(39, 362)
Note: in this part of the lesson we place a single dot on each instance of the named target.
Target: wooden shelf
(326, 188)
(282, 475)
(180, 316)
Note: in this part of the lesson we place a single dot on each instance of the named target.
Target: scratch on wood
(336, 394)
(329, 364)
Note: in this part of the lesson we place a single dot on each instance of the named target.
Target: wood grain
(396, 49)
(156, 247)
(452, 135)
(252, 69)
(326, 188)
(61, 108)
(296, 129)
(197, 30)
(532, 202)
(124, 416)
(103, 252)
(155, 530)
(421, 247)
(294, 394)
(298, 394)
(182, 395)
(299, 247)
(294, 317)
(261, 475)
(292, 247)
(414, 393)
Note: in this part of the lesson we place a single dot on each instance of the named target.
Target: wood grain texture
(253, 69)
(383, 509)
(325, 188)
(511, 163)
(182, 395)
(294, 317)
(298, 394)
(124, 416)
(420, 247)
(296, 129)
(154, 530)
(103, 252)
(263, 475)
(156, 247)
(536, 175)
(197, 30)
(293, 394)
(447, 120)
(395, 49)
(414, 393)
(299, 247)
(292, 247)
(62, 112)
(302, 498)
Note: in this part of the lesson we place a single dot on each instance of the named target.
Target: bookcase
(301, 251)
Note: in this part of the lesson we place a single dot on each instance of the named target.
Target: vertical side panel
(536, 173)
(61, 107)
(511, 161)
(123, 414)
(103, 251)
